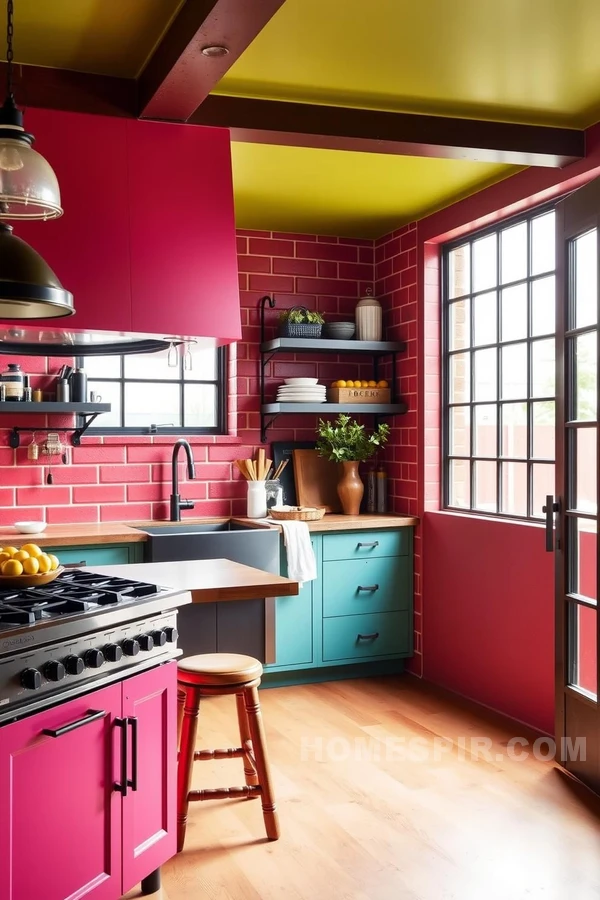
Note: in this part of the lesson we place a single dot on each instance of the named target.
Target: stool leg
(245, 741)
(180, 706)
(186, 759)
(257, 731)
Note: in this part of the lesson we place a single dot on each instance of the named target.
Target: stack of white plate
(302, 390)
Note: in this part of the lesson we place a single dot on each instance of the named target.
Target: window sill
(193, 439)
(501, 520)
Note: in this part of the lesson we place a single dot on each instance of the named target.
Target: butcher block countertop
(208, 580)
(336, 522)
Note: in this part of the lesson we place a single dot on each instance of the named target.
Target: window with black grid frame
(499, 368)
(180, 390)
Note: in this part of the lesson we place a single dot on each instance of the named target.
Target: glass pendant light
(28, 186)
(29, 289)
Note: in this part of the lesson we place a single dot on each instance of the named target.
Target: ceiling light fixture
(215, 50)
(29, 289)
(28, 186)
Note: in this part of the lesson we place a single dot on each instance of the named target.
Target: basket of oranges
(27, 566)
(357, 391)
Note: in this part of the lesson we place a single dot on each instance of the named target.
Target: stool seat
(219, 668)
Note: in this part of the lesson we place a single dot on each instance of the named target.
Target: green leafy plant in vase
(347, 442)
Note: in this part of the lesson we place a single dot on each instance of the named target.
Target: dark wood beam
(178, 77)
(73, 91)
(404, 134)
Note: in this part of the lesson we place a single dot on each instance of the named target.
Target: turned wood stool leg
(246, 742)
(186, 759)
(180, 706)
(257, 732)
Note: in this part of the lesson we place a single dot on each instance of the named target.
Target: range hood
(16, 340)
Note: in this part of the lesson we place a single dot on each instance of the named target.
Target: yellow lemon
(3, 557)
(31, 565)
(45, 563)
(21, 555)
(32, 549)
(383, 383)
(350, 384)
(342, 383)
(10, 550)
(372, 383)
(364, 384)
(12, 567)
(54, 563)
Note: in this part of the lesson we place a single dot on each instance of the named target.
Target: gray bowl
(339, 331)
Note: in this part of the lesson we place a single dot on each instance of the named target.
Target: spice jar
(13, 381)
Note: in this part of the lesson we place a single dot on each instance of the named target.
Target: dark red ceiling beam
(404, 134)
(178, 77)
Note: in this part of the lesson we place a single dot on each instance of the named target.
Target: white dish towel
(301, 562)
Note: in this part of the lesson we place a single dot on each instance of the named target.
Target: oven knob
(31, 679)
(113, 652)
(74, 665)
(131, 647)
(146, 641)
(54, 670)
(172, 634)
(94, 658)
(159, 638)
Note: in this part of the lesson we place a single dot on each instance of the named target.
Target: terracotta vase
(350, 489)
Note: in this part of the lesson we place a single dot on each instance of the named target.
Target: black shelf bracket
(264, 361)
(77, 433)
(265, 424)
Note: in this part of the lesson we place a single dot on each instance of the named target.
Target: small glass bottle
(381, 478)
(274, 491)
(371, 490)
(13, 380)
(257, 500)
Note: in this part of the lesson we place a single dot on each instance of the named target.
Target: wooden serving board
(359, 395)
(316, 480)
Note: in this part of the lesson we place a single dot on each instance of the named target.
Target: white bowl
(301, 381)
(30, 527)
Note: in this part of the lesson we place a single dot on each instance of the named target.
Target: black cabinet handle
(92, 716)
(133, 781)
(82, 562)
(549, 509)
(371, 588)
(370, 544)
(122, 786)
(367, 637)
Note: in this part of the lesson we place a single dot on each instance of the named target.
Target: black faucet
(177, 504)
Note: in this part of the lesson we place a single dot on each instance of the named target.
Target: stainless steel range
(80, 632)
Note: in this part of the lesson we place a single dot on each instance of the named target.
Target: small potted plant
(347, 442)
(300, 322)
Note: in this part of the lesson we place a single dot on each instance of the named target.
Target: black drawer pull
(371, 588)
(83, 562)
(92, 716)
(122, 786)
(367, 637)
(370, 544)
(133, 782)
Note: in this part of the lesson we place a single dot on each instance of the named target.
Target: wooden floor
(444, 822)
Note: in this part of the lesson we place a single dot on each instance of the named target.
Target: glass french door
(575, 506)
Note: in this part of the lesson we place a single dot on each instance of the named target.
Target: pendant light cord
(9, 48)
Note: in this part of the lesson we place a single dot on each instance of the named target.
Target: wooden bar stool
(215, 674)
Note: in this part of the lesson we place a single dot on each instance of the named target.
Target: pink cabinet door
(183, 258)
(60, 816)
(149, 708)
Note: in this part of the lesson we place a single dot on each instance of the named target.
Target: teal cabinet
(359, 586)
(97, 555)
(295, 623)
(365, 637)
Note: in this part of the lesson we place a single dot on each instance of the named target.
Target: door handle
(367, 637)
(133, 781)
(92, 716)
(371, 588)
(82, 562)
(549, 509)
(122, 786)
(367, 544)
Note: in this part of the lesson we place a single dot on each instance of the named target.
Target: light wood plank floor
(383, 796)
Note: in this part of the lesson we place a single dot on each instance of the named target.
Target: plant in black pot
(347, 442)
(300, 322)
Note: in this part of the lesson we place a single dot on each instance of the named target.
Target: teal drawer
(367, 636)
(93, 556)
(385, 583)
(366, 544)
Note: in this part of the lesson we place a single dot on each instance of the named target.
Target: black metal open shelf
(377, 409)
(89, 410)
(325, 345)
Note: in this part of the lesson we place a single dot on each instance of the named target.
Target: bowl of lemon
(27, 566)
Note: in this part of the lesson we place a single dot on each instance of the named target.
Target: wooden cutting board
(316, 480)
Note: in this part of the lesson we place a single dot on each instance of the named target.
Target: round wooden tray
(298, 513)
(28, 581)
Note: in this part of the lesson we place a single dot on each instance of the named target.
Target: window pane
(460, 378)
(513, 253)
(152, 404)
(583, 550)
(586, 402)
(484, 319)
(582, 624)
(458, 337)
(484, 263)
(459, 271)
(203, 362)
(484, 437)
(514, 371)
(514, 488)
(514, 430)
(485, 486)
(110, 391)
(543, 436)
(543, 242)
(514, 313)
(200, 402)
(102, 366)
(153, 366)
(460, 431)
(543, 306)
(585, 453)
(484, 374)
(543, 484)
(586, 279)
(460, 484)
(543, 368)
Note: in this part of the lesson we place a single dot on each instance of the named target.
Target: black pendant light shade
(29, 289)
